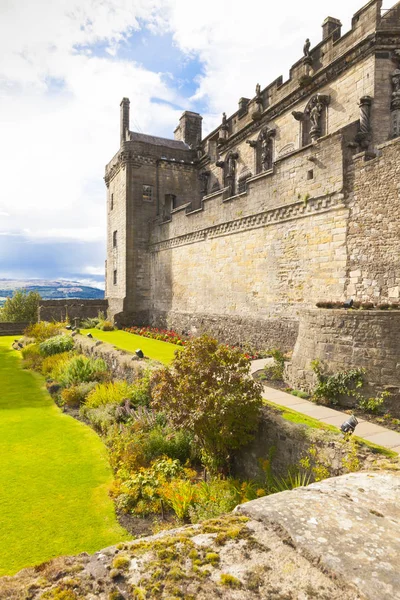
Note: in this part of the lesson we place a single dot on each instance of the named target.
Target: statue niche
(229, 172)
(264, 148)
(314, 121)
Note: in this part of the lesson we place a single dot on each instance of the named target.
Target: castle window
(310, 174)
(242, 180)
(115, 277)
(114, 239)
(112, 202)
(147, 193)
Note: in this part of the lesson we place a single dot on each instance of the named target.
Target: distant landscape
(49, 290)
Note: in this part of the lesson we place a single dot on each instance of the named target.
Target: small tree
(22, 307)
(209, 391)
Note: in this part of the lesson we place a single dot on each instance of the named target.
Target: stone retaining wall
(344, 339)
(122, 364)
(60, 310)
(12, 328)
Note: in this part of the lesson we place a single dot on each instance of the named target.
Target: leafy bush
(105, 326)
(113, 392)
(140, 493)
(54, 362)
(101, 419)
(179, 494)
(164, 441)
(374, 405)
(275, 371)
(75, 395)
(80, 369)
(22, 307)
(116, 392)
(43, 330)
(32, 357)
(56, 345)
(209, 392)
(220, 496)
(330, 388)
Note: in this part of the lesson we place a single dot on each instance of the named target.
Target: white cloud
(59, 102)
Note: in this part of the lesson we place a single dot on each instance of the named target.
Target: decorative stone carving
(223, 133)
(306, 48)
(298, 115)
(363, 136)
(314, 111)
(230, 172)
(252, 143)
(257, 112)
(266, 136)
(224, 122)
(395, 103)
(204, 177)
(220, 164)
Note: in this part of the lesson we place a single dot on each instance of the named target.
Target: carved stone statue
(258, 91)
(315, 114)
(204, 176)
(223, 119)
(266, 150)
(396, 81)
(395, 104)
(306, 48)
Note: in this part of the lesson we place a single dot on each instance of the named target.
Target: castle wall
(373, 239)
(343, 340)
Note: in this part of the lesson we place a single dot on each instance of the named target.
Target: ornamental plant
(208, 391)
(56, 345)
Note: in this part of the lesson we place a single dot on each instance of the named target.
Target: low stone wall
(260, 333)
(344, 339)
(60, 310)
(122, 364)
(12, 328)
(285, 443)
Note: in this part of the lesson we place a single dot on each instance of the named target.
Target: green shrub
(22, 307)
(75, 395)
(32, 357)
(105, 326)
(209, 392)
(101, 419)
(331, 388)
(43, 330)
(56, 345)
(374, 405)
(275, 372)
(53, 362)
(80, 369)
(164, 441)
(113, 392)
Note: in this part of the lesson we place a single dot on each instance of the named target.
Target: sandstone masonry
(292, 199)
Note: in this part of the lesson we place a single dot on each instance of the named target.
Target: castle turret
(124, 119)
(331, 26)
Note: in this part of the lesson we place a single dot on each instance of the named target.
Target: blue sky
(64, 67)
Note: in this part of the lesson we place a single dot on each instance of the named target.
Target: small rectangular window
(310, 174)
(147, 193)
(115, 277)
(112, 202)
(114, 239)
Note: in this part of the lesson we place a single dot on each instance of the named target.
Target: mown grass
(54, 475)
(296, 417)
(164, 352)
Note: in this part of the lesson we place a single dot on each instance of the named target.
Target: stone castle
(293, 199)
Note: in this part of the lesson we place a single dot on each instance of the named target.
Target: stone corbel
(298, 115)
(220, 164)
(252, 143)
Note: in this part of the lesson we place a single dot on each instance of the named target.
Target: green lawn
(54, 475)
(161, 351)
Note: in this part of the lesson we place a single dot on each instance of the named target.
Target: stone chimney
(331, 26)
(189, 128)
(124, 119)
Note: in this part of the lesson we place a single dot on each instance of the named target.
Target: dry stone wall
(62, 310)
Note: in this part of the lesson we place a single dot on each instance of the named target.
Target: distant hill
(49, 290)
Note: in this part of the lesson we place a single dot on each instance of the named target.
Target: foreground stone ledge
(334, 540)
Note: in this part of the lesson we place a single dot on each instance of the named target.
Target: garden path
(375, 434)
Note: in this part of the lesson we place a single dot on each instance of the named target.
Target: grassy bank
(54, 475)
(162, 351)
